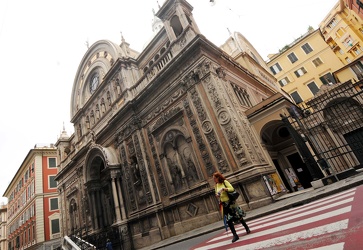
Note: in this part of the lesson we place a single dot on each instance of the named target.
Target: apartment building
(303, 66)
(3, 218)
(356, 6)
(342, 30)
(33, 214)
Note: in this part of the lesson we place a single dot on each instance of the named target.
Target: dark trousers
(227, 210)
(233, 230)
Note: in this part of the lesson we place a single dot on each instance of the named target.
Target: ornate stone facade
(150, 135)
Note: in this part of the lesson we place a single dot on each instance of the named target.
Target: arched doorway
(285, 156)
(99, 190)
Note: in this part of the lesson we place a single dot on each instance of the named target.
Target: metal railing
(332, 123)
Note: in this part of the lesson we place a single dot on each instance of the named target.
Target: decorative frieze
(71, 191)
(165, 117)
(160, 109)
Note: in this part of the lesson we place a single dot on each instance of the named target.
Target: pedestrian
(108, 244)
(230, 210)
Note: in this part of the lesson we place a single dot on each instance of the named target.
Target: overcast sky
(42, 43)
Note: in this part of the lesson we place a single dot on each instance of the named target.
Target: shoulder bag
(232, 195)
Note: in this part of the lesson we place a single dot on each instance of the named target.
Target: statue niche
(137, 180)
(179, 161)
(74, 220)
(135, 171)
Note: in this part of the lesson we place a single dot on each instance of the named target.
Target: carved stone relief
(200, 141)
(175, 153)
(225, 120)
(210, 135)
(161, 109)
(145, 193)
(150, 172)
(244, 128)
(128, 180)
(159, 172)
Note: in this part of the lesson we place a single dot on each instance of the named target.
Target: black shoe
(248, 231)
(235, 238)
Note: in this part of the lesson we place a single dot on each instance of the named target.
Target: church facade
(150, 130)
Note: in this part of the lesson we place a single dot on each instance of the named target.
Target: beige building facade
(326, 68)
(351, 72)
(304, 66)
(342, 30)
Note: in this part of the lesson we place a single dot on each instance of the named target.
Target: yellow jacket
(223, 196)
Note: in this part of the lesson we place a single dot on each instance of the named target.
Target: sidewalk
(282, 203)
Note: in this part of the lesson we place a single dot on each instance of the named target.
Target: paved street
(287, 203)
(334, 222)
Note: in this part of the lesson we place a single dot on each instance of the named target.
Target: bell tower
(177, 18)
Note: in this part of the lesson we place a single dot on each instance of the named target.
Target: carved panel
(225, 120)
(200, 141)
(159, 172)
(160, 110)
(142, 170)
(244, 128)
(127, 179)
(192, 210)
(126, 131)
(210, 134)
(152, 178)
(165, 117)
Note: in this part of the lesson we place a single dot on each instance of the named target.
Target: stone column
(99, 208)
(115, 196)
(122, 206)
(94, 209)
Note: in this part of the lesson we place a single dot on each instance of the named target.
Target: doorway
(282, 175)
(300, 169)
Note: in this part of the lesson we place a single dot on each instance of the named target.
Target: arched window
(176, 25)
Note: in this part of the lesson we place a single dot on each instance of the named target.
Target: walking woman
(231, 210)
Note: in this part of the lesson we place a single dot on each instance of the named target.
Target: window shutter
(273, 71)
(322, 79)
